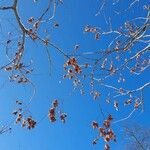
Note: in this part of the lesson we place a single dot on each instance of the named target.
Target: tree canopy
(72, 72)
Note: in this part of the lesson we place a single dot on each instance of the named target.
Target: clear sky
(76, 133)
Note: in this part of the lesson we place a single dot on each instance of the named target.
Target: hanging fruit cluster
(53, 112)
(74, 68)
(93, 30)
(25, 121)
(104, 132)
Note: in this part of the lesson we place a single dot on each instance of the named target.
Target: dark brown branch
(24, 30)
(6, 7)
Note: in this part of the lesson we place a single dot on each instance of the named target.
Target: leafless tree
(138, 138)
(15, 42)
(126, 53)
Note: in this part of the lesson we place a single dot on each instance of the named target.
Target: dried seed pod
(116, 105)
(30, 123)
(107, 147)
(94, 124)
(55, 103)
(63, 117)
(24, 123)
(30, 20)
(15, 112)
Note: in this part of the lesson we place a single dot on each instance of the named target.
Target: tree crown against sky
(57, 52)
(137, 136)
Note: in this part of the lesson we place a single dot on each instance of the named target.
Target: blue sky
(76, 133)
